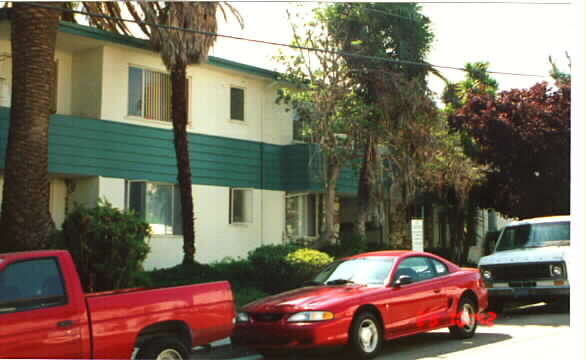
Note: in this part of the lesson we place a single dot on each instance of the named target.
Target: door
(38, 320)
(408, 304)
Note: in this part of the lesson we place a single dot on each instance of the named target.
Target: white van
(529, 263)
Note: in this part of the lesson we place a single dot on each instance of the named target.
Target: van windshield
(535, 235)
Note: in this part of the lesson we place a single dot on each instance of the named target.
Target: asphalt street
(535, 332)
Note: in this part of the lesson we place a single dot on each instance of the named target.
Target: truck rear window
(31, 284)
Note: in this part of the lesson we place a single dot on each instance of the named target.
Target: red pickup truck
(44, 313)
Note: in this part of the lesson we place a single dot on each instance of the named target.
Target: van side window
(31, 284)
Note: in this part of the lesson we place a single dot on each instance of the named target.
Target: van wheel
(366, 336)
(164, 348)
(467, 319)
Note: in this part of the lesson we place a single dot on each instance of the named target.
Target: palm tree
(25, 222)
(179, 49)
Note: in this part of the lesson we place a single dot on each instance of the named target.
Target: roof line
(86, 31)
(97, 34)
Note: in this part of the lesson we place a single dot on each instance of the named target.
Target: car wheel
(164, 348)
(467, 319)
(366, 336)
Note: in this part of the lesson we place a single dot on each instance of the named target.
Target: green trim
(97, 34)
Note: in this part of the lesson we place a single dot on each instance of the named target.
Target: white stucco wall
(210, 98)
(85, 192)
(86, 83)
(64, 78)
(113, 191)
(215, 238)
(57, 196)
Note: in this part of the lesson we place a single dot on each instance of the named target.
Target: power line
(342, 53)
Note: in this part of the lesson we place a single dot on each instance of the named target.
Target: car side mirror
(402, 280)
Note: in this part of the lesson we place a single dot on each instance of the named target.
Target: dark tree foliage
(524, 135)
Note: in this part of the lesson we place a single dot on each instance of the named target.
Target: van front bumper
(523, 293)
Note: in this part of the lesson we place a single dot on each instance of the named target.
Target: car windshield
(367, 270)
(535, 235)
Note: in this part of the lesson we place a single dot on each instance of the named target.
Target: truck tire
(163, 348)
(366, 336)
(467, 319)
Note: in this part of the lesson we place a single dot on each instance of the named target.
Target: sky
(512, 37)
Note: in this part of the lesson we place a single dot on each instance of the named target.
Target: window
(31, 284)
(440, 267)
(236, 104)
(54, 88)
(297, 127)
(149, 94)
(158, 204)
(240, 206)
(420, 268)
(302, 216)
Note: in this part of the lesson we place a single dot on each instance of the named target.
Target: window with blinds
(149, 94)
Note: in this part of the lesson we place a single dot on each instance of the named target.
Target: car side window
(413, 267)
(440, 267)
(31, 284)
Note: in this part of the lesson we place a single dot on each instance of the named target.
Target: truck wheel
(366, 336)
(164, 348)
(467, 319)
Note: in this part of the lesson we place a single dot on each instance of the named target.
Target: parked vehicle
(530, 263)
(45, 314)
(364, 299)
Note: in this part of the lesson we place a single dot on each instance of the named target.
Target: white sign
(417, 234)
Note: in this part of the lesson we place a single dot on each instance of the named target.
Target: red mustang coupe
(365, 299)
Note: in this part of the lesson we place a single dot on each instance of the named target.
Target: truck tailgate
(117, 319)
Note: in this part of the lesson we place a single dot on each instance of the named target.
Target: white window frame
(244, 107)
(127, 201)
(305, 214)
(247, 207)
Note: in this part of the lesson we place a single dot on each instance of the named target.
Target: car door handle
(437, 291)
(65, 323)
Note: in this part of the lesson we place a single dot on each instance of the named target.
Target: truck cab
(529, 263)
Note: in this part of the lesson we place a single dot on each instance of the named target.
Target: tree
(463, 207)
(325, 99)
(25, 223)
(407, 124)
(524, 136)
(179, 49)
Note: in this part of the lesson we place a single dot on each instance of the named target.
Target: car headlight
(307, 316)
(556, 270)
(242, 317)
(486, 274)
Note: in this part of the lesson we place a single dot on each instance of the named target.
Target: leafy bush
(108, 246)
(240, 272)
(307, 262)
(243, 296)
(184, 274)
(272, 269)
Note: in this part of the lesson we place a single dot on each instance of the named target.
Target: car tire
(164, 348)
(467, 319)
(366, 335)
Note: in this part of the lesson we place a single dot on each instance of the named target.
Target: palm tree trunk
(179, 110)
(400, 229)
(26, 223)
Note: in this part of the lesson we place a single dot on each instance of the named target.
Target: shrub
(307, 262)
(184, 274)
(243, 296)
(108, 246)
(272, 270)
(239, 272)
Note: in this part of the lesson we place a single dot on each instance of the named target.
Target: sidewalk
(223, 350)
